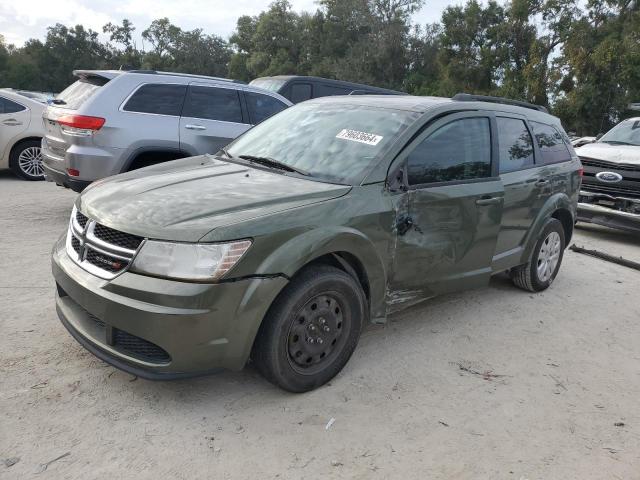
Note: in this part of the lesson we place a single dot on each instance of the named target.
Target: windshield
(271, 84)
(78, 92)
(625, 133)
(333, 142)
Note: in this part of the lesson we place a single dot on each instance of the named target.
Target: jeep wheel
(26, 160)
(311, 329)
(546, 258)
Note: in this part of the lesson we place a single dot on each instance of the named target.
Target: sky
(21, 20)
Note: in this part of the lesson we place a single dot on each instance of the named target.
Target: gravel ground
(495, 383)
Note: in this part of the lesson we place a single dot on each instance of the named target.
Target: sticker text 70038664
(362, 137)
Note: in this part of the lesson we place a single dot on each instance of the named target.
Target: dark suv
(332, 213)
(298, 88)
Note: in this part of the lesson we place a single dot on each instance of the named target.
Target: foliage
(582, 60)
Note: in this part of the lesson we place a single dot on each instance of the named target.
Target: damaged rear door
(450, 216)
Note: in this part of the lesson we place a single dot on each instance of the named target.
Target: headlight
(188, 261)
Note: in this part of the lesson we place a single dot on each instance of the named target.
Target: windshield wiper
(272, 162)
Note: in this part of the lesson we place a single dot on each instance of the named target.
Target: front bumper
(609, 211)
(157, 328)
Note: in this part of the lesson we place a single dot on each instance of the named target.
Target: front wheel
(311, 330)
(541, 270)
(26, 160)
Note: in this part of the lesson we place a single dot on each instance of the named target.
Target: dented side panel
(450, 244)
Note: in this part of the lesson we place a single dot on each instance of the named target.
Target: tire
(25, 160)
(546, 258)
(311, 329)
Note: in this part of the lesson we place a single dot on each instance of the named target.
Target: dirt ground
(490, 384)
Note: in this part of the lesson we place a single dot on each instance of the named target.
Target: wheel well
(145, 159)
(565, 217)
(348, 263)
(23, 140)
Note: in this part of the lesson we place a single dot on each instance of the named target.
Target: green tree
(124, 49)
(601, 65)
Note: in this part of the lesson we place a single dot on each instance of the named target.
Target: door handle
(11, 122)
(195, 127)
(542, 182)
(489, 201)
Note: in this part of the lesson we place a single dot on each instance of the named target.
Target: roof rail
(467, 97)
(188, 75)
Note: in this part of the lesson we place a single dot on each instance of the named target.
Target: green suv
(332, 213)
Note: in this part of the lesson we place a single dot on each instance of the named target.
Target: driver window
(459, 150)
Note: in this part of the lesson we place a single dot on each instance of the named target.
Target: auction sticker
(362, 137)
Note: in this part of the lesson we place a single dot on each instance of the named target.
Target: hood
(185, 199)
(627, 154)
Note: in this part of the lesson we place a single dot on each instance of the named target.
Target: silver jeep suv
(110, 122)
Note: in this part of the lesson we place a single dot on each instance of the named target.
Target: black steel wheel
(315, 336)
(311, 329)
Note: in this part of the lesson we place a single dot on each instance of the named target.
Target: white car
(21, 132)
(580, 141)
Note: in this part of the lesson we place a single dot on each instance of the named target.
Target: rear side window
(79, 92)
(516, 145)
(212, 103)
(552, 147)
(262, 107)
(300, 92)
(323, 90)
(460, 150)
(8, 106)
(160, 99)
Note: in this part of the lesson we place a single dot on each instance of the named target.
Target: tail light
(581, 171)
(80, 125)
(73, 172)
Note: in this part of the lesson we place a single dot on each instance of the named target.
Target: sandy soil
(495, 383)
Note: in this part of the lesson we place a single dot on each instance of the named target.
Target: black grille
(75, 244)
(105, 262)
(139, 348)
(590, 162)
(81, 219)
(99, 323)
(114, 237)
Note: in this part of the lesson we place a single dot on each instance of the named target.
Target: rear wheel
(26, 160)
(311, 330)
(546, 259)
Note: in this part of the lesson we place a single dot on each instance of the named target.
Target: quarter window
(7, 106)
(262, 107)
(212, 103)
(552, 147)
(159, 99)
(460, 150)
(516, 145)
(300, 92)
(329, 90)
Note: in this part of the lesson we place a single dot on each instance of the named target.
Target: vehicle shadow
(598, 232)
(8, 175)
(229, 388)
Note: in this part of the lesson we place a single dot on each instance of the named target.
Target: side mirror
(599, 136)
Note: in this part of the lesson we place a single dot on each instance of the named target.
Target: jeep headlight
(188, 261)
